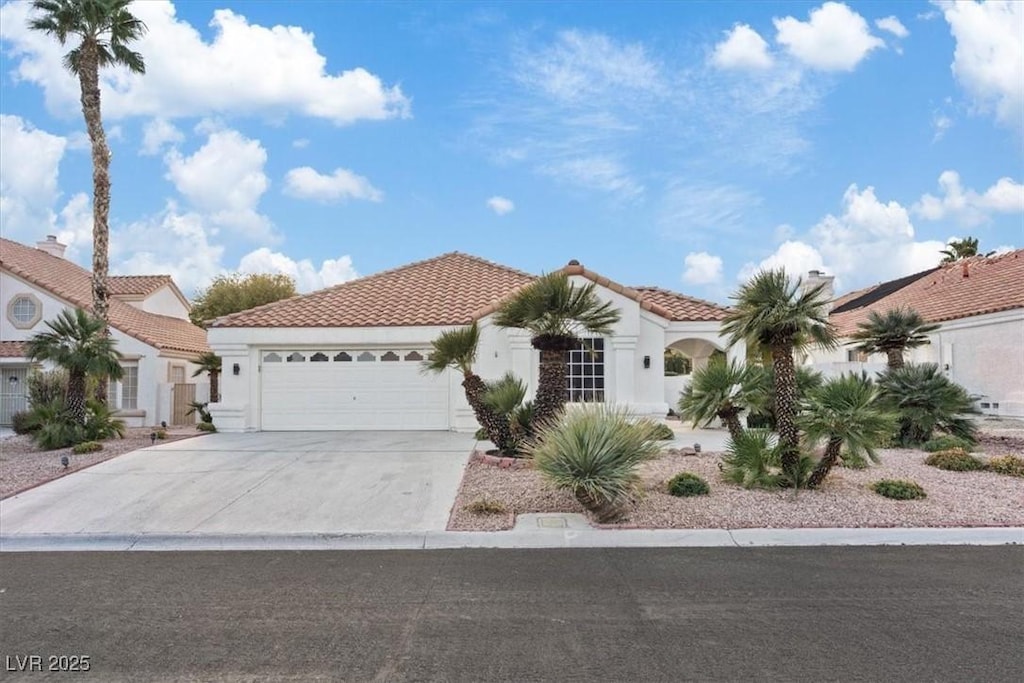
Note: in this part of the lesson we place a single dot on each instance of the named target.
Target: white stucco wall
(984, 353)
(162, 302)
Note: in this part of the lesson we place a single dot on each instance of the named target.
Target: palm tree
(457, 349)
(76, 342)
(957, 250)
(719, 390)
(555, 311)
(926, 400)
(780, 316)
(104, 29)
(846, 413)
(892, 333)
(210, 362)
(761, 397)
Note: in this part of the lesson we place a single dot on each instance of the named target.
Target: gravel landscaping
(954, 498)
(23, 465)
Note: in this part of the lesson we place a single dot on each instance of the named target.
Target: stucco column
(622, 370)
(236, 410)
(523, 362)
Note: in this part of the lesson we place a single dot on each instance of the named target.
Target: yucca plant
(719, 389)
(927, 402)
(594, 453)
(844, 413)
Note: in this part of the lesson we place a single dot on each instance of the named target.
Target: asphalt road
(723, 614)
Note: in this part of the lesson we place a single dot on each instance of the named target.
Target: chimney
(815, 278)
(965, 269)
(51, 246)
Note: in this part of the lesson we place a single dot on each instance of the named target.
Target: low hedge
(898, 489)
(686, 484)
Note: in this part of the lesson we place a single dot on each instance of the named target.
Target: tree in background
(957, 250)
(892, 333)
(233, 293)
(210, 362)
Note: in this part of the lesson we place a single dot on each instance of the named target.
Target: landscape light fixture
(696, 448)
(236, 369)
(65, 460)
(152, 437)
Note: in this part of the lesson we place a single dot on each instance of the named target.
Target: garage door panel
(348, 394)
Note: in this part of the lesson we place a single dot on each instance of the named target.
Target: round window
(24, 310)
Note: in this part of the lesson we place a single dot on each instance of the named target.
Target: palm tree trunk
(76, 396)
(496, 426)
(89, 80)
(827, 462)
(785, 406)
(550, 400)
(732, 422)
(895, 358)
(214, 386)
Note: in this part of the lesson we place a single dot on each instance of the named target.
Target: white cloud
(968, 207)
(306, 275)
(300, 143)
(601, 173)
(501, 205)
(225, 180)
(693, 212)
(835, 39)
(29, 167)
(245, 68)
(702, 268)
(892, 25)
(744, 48)
(870, 241)
(941, 123)
(157, 133)
(342, 184)
(989, 57)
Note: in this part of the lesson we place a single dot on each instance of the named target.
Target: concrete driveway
(260, 483)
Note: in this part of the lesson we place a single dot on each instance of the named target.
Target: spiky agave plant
(594, 453)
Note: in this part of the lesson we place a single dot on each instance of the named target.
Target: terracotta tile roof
(682, 307)
(974, 286)
(137, 285)
(451, 289)
(12, 349)
(70, 282)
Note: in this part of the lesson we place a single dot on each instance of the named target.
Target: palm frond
(552, 305)
(455, 348)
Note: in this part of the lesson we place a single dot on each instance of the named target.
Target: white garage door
(350, 389)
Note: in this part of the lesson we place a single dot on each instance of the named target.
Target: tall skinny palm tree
(845, 412)
(555, 312)
(210, 363)
(719, 390)
(456, 349)
(76, 342)
(780, 316)
(892, 333)
(102, 29)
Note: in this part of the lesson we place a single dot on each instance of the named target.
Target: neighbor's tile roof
(141, 285)
(974, 286)
(12, 349)
(451, 289)
(72, 283)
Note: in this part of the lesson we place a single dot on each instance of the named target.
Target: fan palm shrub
(761, 397)
(210, 363)
(457, 349)
(76, 342)
(927, 402)
(555, 312)
(506, 397)
(844, 413)
(719, 390)
(778, 315)
(594, 453)
(892, 333)
(752, 459)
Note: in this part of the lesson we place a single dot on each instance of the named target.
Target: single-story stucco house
(979, 305)
(148, 318)
(349, 357)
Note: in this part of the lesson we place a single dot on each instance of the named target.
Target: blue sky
(680, 144)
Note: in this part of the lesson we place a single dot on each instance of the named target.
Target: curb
(533, 538)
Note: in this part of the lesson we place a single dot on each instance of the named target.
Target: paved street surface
(713, 614)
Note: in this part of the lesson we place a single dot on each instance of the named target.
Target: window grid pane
(585, 372)
(130, 388)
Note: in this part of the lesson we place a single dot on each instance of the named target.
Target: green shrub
(161, 434)
(898, 489)
(927, 401)
(945, 443)
(100, 423)
(199, 408)
(481, 435)
(206, 427)
(662, 432)
(24, 422)
(485, 506)
(56, 426)
(47, 386)
(86, 447)
(955, 460)
(593, 452)
(753, 460)
(687, 484)
(1012, 465)
(853, 461)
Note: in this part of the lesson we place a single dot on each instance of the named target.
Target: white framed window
(124, 395)
(24, 311)
(584, 372)
(855, 356)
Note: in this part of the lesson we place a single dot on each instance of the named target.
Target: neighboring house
(148, 318)
(979, 303)
(349, 357)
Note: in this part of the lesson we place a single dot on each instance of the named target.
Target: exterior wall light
(236, 369)
(647, 362)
